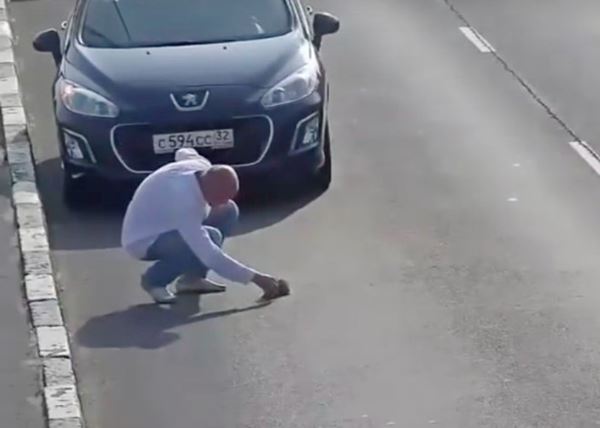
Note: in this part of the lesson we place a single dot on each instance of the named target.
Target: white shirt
(171, 199)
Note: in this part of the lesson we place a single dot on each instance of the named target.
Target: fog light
(311, 132)
(73, 147)
(307, 133)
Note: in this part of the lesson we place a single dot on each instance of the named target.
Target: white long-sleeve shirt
(171, 199)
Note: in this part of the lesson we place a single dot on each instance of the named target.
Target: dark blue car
(238, 80)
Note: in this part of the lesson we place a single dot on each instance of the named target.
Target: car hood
(256, 63)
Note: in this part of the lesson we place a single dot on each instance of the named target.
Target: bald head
(219, 184)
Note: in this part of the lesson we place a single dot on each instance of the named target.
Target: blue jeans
(174, 257)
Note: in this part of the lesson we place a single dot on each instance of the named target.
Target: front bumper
(267, 143)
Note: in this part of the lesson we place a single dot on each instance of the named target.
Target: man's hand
(272, 287)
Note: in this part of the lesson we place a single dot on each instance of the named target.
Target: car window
(147, 23)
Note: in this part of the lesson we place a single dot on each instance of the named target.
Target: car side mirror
(323, 24)
(49, 41)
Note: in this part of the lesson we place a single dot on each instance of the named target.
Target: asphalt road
(553, 48)
(449, 277)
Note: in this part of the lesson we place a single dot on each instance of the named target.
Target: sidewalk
(20, 390)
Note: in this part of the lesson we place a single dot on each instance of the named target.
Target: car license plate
(213, 139)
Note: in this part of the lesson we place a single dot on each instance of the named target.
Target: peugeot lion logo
(190, 100)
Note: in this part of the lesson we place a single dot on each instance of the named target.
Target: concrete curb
(61, 398)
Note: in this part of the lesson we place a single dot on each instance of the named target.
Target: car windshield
(153, 23)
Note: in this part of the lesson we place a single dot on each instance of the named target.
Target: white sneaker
(162, 295)
(159, 294)
(186, 284)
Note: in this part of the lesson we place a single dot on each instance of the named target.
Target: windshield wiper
(188, 43)
(109, 41)
(125, 27)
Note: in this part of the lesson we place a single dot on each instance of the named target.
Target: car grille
(133, 143)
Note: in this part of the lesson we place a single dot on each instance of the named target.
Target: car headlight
(295, 87)
(85, 102)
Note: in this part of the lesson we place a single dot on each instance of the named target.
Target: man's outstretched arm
(214, 258)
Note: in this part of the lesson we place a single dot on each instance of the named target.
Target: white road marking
(53, 342)
(7, 56)
(18, 152)
(477, 39)
(37, 263)
(33, 239)
(22, 172)
(40, 287)
(9, 85)
(66, 423)
(29, 216)
(46, 313)
(25, 192)
(5, 29)
(14, 116)
(62, 402)
(513, 199)
(516, 165)
(587, 154)
(58, 371)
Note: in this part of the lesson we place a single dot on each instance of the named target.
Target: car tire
(323, 177)
(75, 191)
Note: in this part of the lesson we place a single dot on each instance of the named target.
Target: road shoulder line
(477, 39)
(521, 80)
(587, 154)
(61, 398)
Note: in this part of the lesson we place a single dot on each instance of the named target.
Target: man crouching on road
(178, 218)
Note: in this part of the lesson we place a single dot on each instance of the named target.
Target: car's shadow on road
(147, 326)
(98, 225)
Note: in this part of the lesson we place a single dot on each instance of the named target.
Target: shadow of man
(146, 326)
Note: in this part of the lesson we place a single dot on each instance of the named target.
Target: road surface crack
(537, 98)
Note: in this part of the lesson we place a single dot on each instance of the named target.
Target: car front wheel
(323, 178)
(75, 190)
